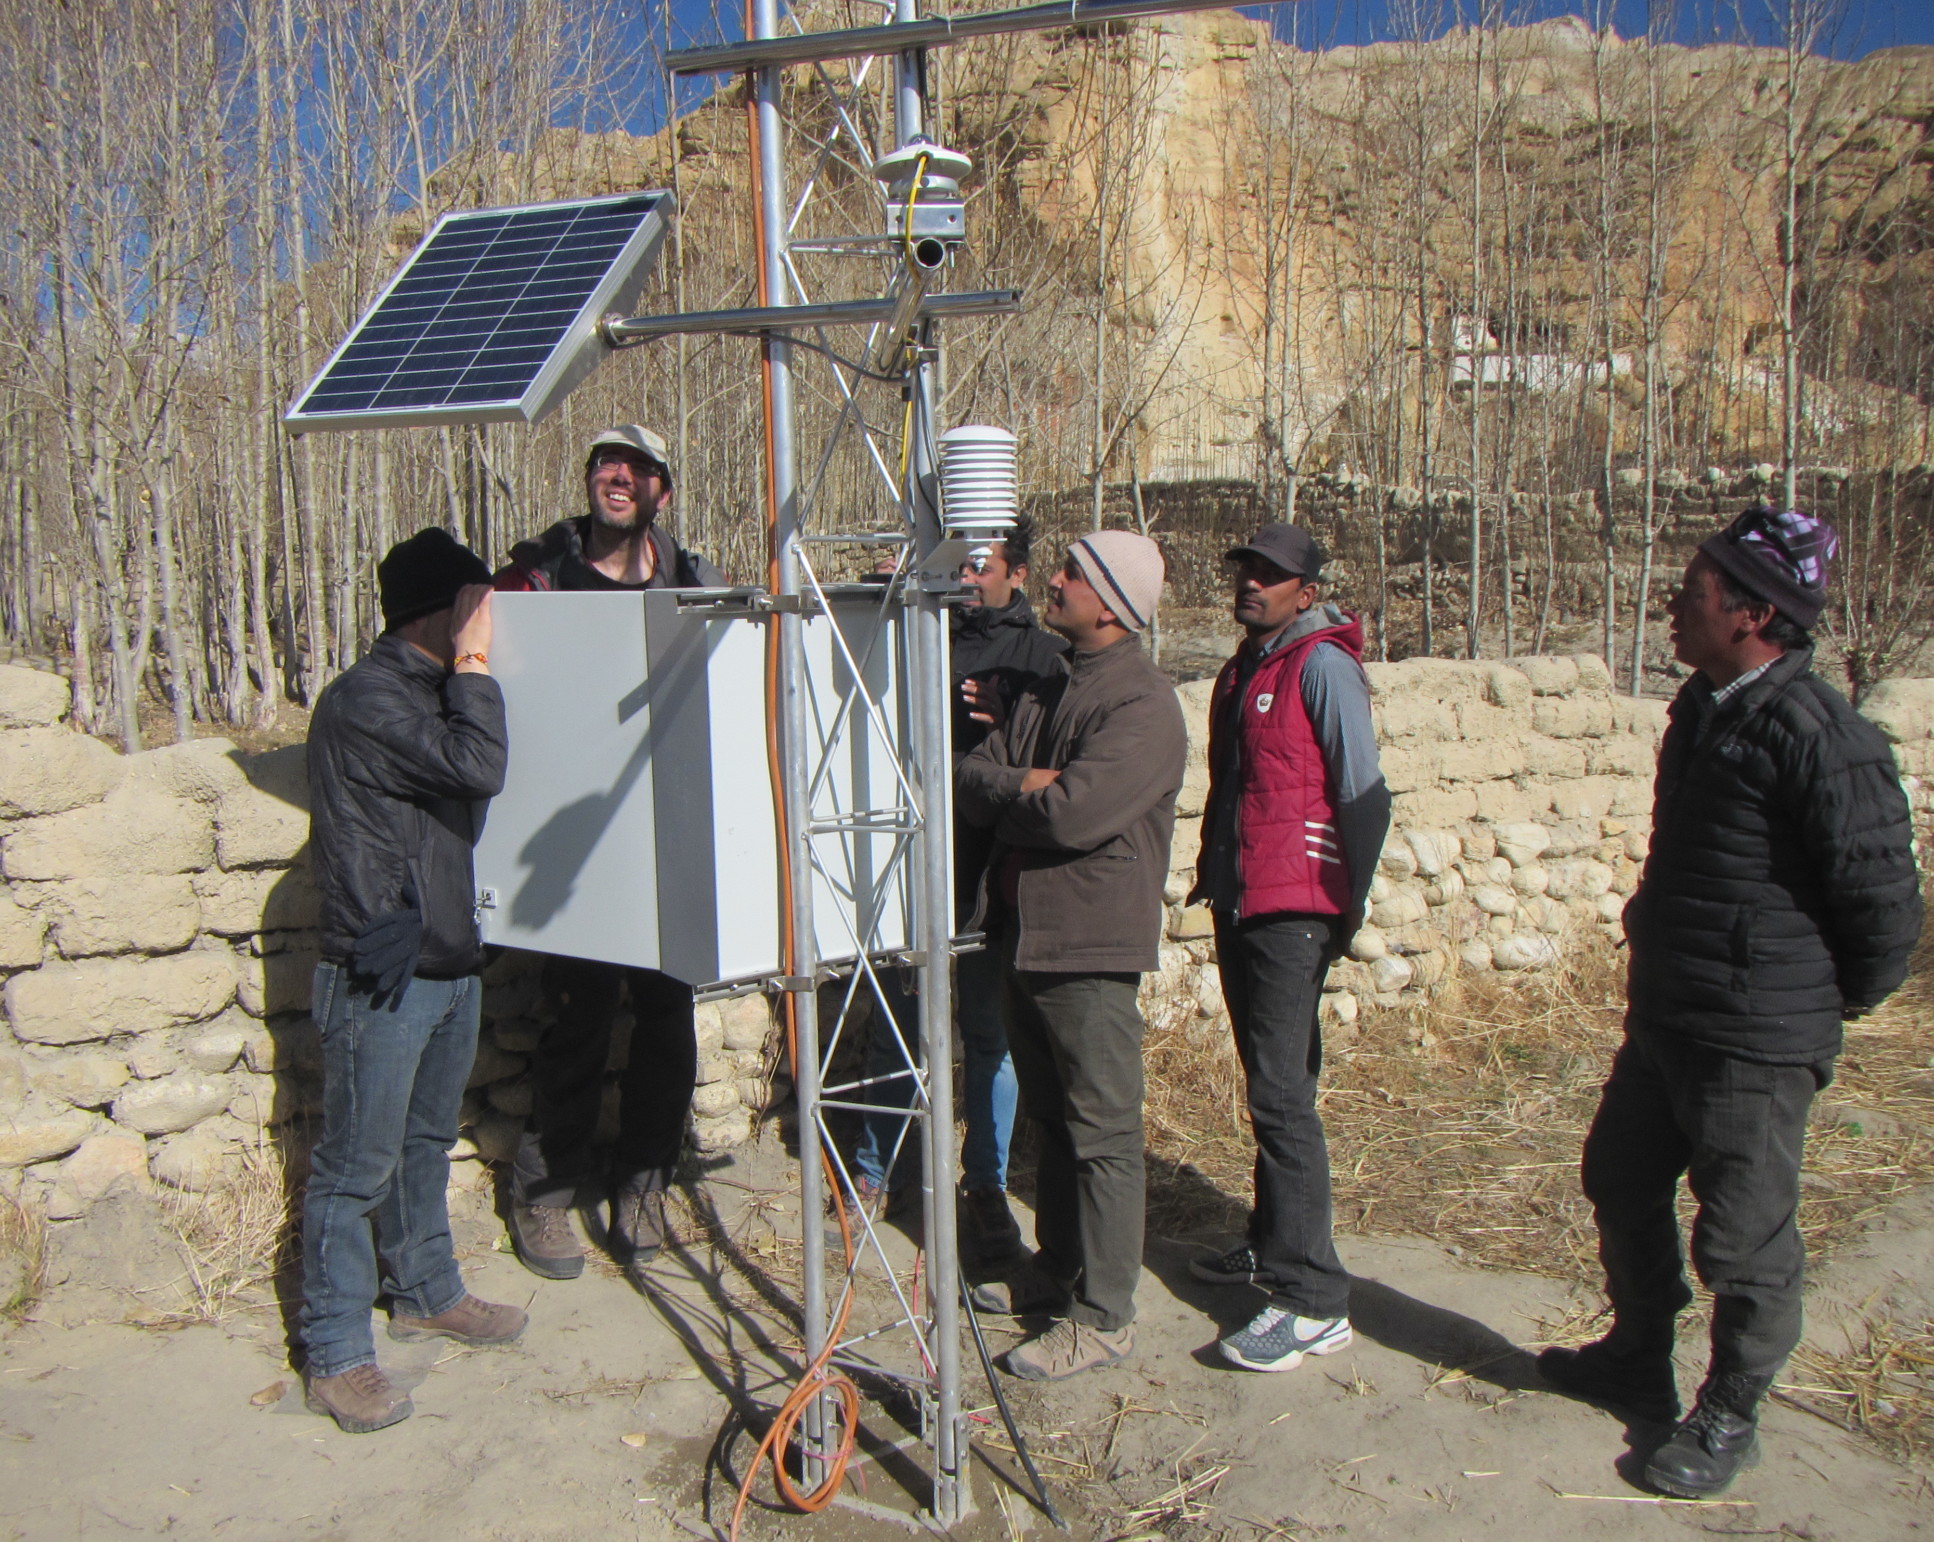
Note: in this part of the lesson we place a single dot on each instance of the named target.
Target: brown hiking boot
(361, 1400)
(470, 1321)
(1067, 1349)
(1026, 1291)
(638, 1229)
(545, 1243)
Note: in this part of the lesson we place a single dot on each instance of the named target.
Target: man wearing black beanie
(406, 749)
(1779, 898)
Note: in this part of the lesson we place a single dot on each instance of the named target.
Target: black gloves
(383, 958)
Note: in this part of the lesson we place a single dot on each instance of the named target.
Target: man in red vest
(1294, 827)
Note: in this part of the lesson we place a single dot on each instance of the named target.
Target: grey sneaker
(545, 1243)
(1277, 1340)
(361, 1400)
(1068, 1349)
(1235, 1267)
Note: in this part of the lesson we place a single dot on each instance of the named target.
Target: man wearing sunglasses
(1296, 817)
(616, 544)
(1779, 898)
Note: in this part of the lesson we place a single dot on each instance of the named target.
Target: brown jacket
(1093, 846)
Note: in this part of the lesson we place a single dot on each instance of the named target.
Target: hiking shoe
(638, 1229)
(1636, 1385)
(1718, 1441)
(1238, 1266)
(1277, 1340)
(1067, 1349)
(545, 1242)
(1029, 1291)
(470, 1321)
(988, 1232)
(361, 1400)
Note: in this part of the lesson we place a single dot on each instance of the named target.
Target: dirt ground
(616, 1414)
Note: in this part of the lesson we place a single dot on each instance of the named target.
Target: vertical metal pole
(795, 764)
(934, 911)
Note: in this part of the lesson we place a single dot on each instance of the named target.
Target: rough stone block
(1435, 850)
(256, 1101)
(1485, 720)
(136, 830)
(276, 982)
(1580, 878)
(710, 1101)
(1643, 716)
(13, 1084)
(1390, 973)
(1623, 755)
(1541, 913)
(1417, 716)
(51, 770)
(1208, 995)
(1522, 842)
(215, 1047)
(32, 698)
(497, 1136)
(1557, 760)
(1593, 677)
(1398, 861)
(94, 916)
(1631, 797)
(1530, 879)
(747, 1023)
(1611, 907)
(1548, 675)
(1439, 680)
(1435, 805)
(194, 1161)
(1587, 798)
(1193, 797)
(1368, 945)
(1574, 717)
(256, 900)
(1503, 802)
(266, 821)
(727, 1131)
(1400, 909)
(288, 1043)
(78, 1003)
(1571, 836)
(23, 934)
(1184, 846)
(84, 1078)
(1474, 953)
(1445, 889)
(493, 1065)
(513, 1098)
(1507, 688)
(1192, 921)
(1524, 950)
(1903, 710)
(172, 1103)
(1495, 900)
(40, 1131)
(96, 1165)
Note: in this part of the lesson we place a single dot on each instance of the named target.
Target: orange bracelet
(470, 658)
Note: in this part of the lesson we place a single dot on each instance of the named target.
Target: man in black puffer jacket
(405, 750)
(1780, 897)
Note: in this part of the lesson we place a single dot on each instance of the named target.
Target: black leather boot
(1718, 1440)
(1628, 1372)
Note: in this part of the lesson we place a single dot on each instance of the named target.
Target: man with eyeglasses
(616, 544)
(1294, 826)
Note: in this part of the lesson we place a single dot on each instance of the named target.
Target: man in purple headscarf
(1779, 898)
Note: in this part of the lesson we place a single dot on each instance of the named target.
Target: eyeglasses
(644, 465)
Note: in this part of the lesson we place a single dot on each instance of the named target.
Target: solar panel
(494, 318)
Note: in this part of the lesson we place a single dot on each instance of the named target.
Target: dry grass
(1461, 1120)
(23, 1258)
(1883, 1388)
(235, 1235)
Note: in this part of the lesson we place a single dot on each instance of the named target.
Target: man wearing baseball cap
(1078, 786)
(1779, 898)
(616, 544)
(1291, 834)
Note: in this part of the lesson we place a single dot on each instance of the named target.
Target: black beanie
(422, 575)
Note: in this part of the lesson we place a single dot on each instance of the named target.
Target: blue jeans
(989, 1096)
(392, 1085)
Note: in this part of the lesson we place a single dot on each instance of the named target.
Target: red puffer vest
(1289, 856)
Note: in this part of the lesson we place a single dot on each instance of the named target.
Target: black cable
(1041, 1496)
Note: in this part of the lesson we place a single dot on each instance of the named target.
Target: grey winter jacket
(1780, 890)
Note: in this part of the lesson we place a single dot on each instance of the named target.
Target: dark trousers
(1735, 1130)
(1272, 971)
(555, 1156)
(1077, 1046)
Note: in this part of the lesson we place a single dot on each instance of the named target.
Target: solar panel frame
(419, 312)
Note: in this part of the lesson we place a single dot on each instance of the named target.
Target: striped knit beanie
(1126, 571)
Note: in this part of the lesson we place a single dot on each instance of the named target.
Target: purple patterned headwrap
(1781, 558)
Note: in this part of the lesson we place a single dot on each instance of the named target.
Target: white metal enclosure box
(637, 825)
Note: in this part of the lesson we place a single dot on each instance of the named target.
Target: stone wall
(157, 918)
(157, 941)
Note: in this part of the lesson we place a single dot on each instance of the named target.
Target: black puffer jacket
(403, 758)
(1006, 647)
(1780, 889)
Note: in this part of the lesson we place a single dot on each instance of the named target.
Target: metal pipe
(775, 290)
(621, 333)
(930, 32)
